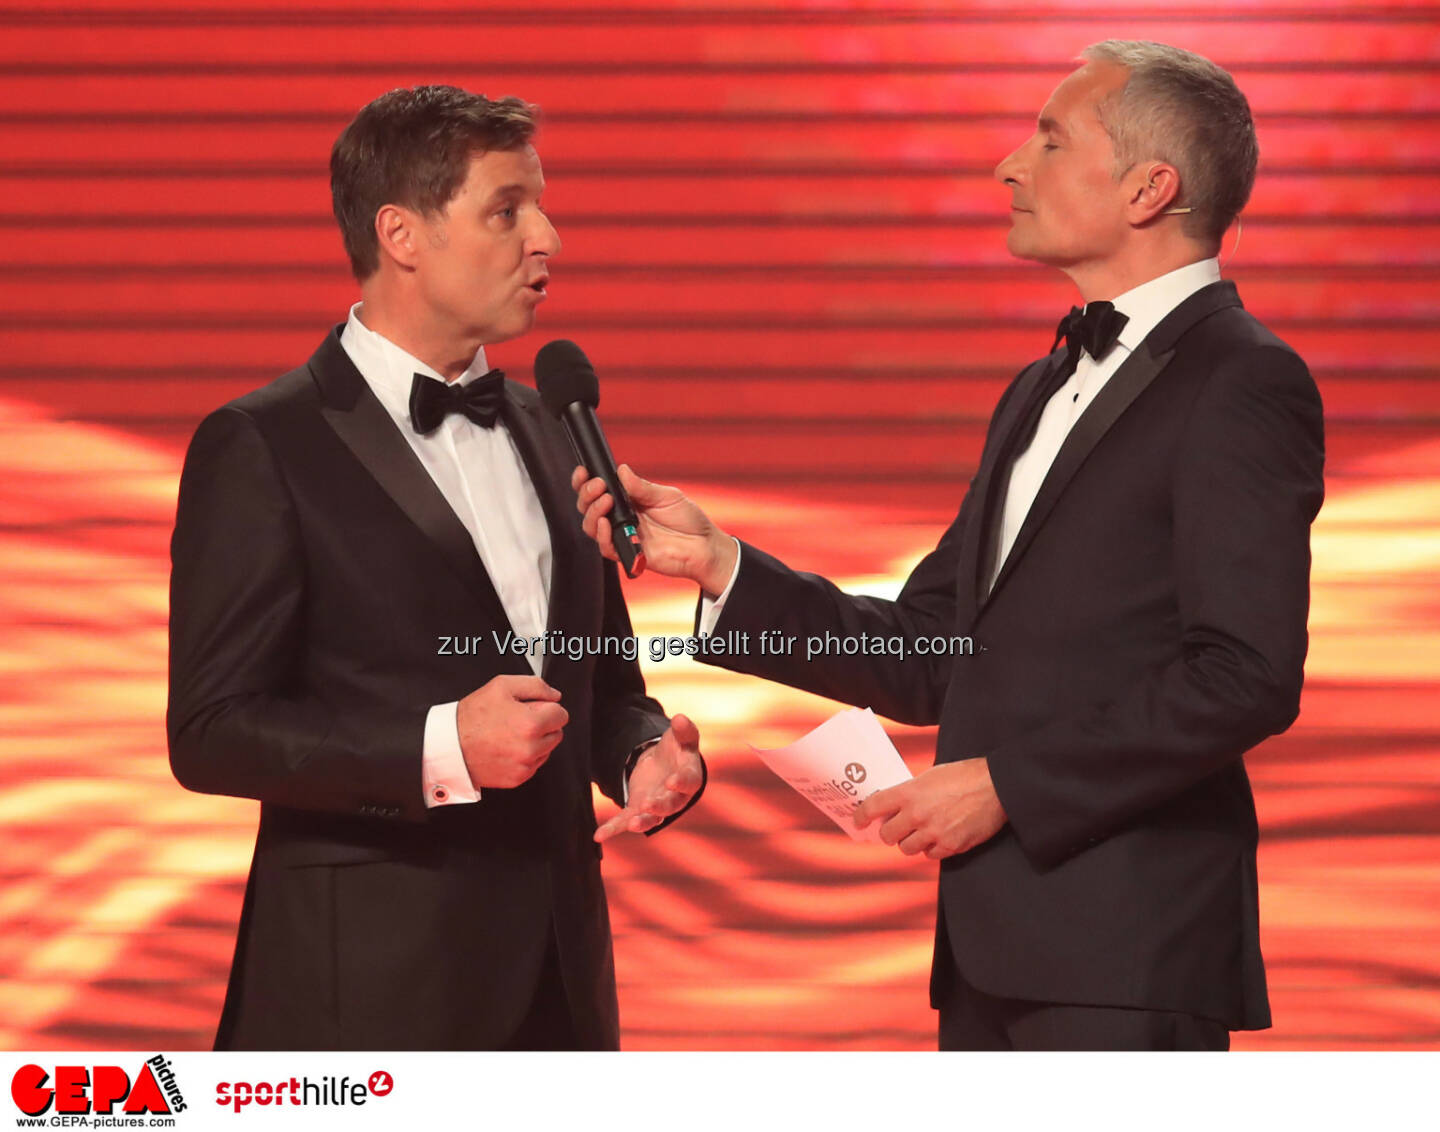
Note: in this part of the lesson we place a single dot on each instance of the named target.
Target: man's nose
(544, 240)
(1009, 170)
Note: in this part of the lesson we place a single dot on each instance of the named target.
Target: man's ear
(1154, 187)
(397, 231)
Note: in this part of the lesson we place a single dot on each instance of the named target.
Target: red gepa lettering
(74, 1091)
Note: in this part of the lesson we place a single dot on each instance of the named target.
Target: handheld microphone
(571, 392)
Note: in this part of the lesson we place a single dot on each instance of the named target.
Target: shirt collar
(389, 370)
(1146, 305)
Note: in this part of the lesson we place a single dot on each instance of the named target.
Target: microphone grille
(564, 375)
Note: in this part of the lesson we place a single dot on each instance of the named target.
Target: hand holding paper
(845, 760)
(949, 809)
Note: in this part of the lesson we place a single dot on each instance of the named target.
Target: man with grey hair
(1184, 110)
(1132, 561)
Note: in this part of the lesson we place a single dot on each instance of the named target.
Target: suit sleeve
(240, 721)
(625, 718)
(768, 595)
(1247, 484)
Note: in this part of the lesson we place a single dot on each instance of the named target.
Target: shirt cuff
(640, 749)
(443, 772)
(712, 607)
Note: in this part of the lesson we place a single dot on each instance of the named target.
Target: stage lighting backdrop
(784, 251)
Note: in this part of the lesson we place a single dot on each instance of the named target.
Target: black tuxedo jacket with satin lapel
(316, 569)
(1147, 629)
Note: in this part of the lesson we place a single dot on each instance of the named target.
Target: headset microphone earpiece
(1169, 211)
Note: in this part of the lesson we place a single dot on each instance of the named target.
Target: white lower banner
(762, 1091)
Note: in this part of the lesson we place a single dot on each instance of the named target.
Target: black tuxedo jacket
(316, 568)
(1146, 630)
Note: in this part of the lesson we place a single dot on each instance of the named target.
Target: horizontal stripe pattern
(784, 250)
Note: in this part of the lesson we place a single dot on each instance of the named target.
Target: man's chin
(503, 332)
(1022, 248)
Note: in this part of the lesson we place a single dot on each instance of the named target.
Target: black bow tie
(432, 401)
(1096, 329)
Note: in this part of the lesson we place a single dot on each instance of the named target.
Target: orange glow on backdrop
(785, 254)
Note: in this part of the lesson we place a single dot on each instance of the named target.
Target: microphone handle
(587, 438)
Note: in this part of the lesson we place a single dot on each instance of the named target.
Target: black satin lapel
(1127, 383)
(549, 467)
(993, 476)
(372, 436)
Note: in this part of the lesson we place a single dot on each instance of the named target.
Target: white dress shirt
(481, 475)
(1144, 307)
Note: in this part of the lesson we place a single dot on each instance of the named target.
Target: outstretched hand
(664, 780)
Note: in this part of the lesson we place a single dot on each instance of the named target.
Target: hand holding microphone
(570, 390)
(680, 540)
(635, 522)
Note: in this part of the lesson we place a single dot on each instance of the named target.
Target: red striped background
(784, 250)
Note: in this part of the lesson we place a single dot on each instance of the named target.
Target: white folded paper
(840, 764)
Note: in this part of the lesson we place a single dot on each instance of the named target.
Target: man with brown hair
(1132, 563)
(358, 549)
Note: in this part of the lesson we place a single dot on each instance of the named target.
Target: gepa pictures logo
(79, 1090)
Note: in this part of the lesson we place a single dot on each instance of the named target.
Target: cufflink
(439, 794)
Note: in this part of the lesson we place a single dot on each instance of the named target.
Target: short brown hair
(1181, 108)
(413, 148)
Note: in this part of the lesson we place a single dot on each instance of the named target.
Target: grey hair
(1180, 108)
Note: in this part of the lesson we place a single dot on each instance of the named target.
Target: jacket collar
(1146, 361)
